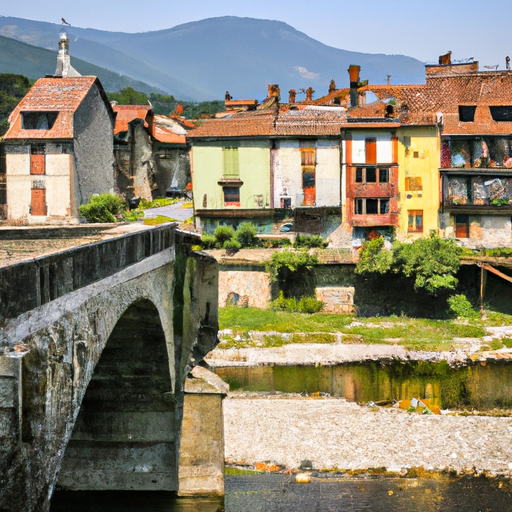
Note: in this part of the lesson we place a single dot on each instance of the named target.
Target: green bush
(246, 234)
(309, 242)
(461, 307)
(431, 262)
(499, 252)
(310, 305)
(292, 305)
(232, 245)
(374, 258)
(224, 233)
(275, 243)
(292, 260)
(103, 208)
(208, 241)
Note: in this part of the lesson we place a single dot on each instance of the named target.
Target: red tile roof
(127, 113)
(311, 121)
(62, 95)
(170, 130)
(443, 94)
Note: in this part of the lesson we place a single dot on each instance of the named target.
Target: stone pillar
(10, 429)
(201, 457)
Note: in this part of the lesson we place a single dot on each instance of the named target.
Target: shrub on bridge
(223, 233)
(103, 208)
(246, 234)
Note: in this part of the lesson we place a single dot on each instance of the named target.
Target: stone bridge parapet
(96, 344)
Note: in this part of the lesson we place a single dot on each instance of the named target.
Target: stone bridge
(98, 346)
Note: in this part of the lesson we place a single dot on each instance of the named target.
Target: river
(279, 493)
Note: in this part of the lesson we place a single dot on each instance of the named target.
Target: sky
(423, 29)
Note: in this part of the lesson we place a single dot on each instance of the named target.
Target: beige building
(59, 148)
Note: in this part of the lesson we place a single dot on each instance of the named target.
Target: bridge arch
(124, 435)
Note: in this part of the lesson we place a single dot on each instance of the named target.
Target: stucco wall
(19, 183)
(384, 147)
(208, 169)
(287, 172)
(419, 159)
(93, 148)
(328, 173)
(56, 181)
(484, 231)
(58, 185)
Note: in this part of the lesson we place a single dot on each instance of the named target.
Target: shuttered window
(231, 163)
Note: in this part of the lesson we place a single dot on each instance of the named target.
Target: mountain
(34, 62)
(205, 58)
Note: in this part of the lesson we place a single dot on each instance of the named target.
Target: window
(371, 150)
(502, 113)
(38, 201)
(461, 226)
(415, 221)
(37, 159)
(308, 165)
(467, 113)
(371, 206)
(370, 174)
(38, 120)
(231, 163)
(413, 184)
(231, 196)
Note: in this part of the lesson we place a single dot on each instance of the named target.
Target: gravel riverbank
(333, 433)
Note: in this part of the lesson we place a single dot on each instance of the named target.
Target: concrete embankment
(333, 433)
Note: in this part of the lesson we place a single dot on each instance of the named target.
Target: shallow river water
(279, 493)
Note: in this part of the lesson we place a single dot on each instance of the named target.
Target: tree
(128, 96)
(432, 262)
(12, 89)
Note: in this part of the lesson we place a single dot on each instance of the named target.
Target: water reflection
(278, 493)
(475, 386)
(126, 501)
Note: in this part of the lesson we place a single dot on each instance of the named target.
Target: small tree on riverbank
(432, 262)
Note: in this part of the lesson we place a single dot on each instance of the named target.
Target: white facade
(56, 182)
(287, 169)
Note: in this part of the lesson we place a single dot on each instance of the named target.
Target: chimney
(274, 91)
(64, 67)
(332, 86)
(291, 98)
(150, 119)
(353, 72)
(445, 59)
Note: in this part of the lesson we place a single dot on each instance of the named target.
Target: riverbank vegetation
(104, 208)
(412, 333)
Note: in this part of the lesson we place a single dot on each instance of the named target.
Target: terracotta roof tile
(127, 113)
(287, 122)
(61, 95)
(169, 130)
(443, 94)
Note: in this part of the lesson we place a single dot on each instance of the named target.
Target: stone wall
(93, 149)
(244, 287)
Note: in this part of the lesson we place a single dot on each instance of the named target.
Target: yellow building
(418, 180)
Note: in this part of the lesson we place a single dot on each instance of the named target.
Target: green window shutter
(231, 166)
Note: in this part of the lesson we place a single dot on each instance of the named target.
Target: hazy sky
(422, 29)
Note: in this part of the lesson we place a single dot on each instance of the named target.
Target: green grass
(412, 333)
(159, 219)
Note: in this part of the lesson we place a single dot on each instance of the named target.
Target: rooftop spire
(64, 67)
